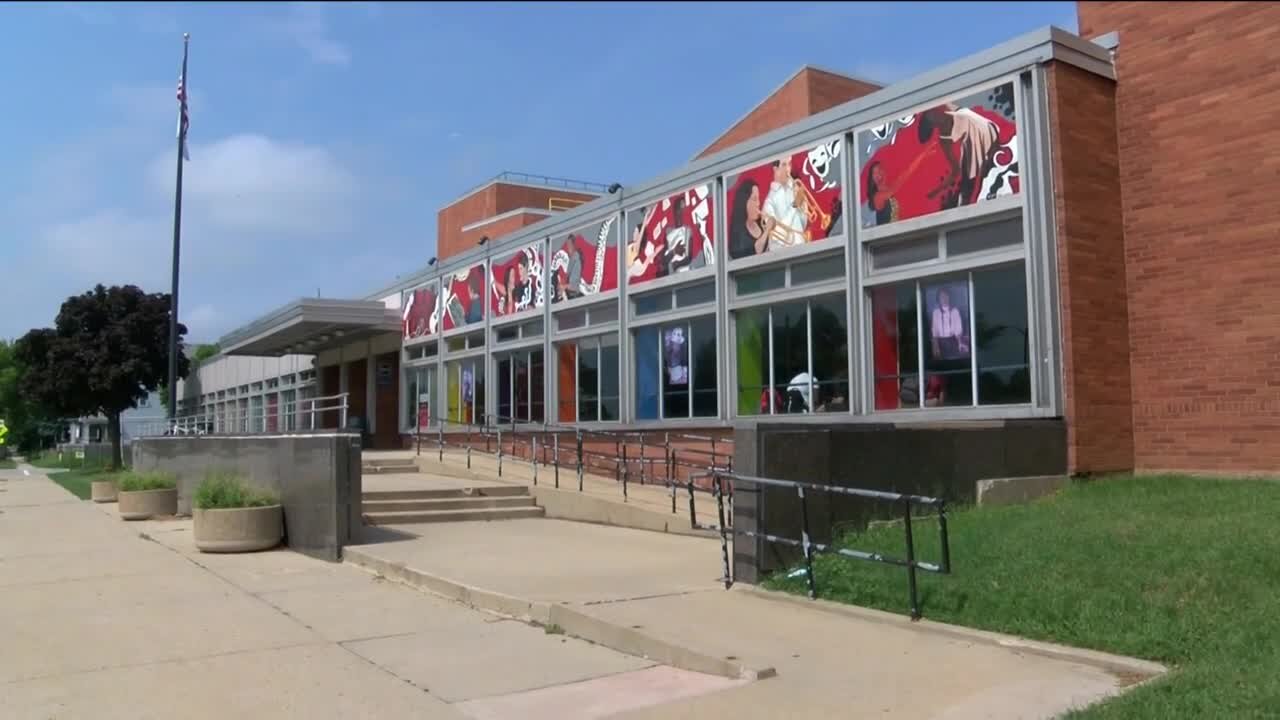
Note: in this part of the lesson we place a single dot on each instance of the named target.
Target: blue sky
(325, 137)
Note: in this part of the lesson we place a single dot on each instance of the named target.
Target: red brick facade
(808, 92)
(1198, 166)
(495, 199)
(1091, 271)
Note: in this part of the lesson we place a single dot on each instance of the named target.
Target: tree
(109, 349)
(24, 419)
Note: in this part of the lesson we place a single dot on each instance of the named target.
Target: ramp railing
(329, 412)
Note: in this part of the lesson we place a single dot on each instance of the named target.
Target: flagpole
(177, 238)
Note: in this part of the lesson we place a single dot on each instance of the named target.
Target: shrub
(225, 491)
(136, 481)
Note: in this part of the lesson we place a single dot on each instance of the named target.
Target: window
(793, 357)
(520, 386)
(288, 409)
(696, 295)
(954, 340)
(992, 236)
(571, 319)
(587, 380)
(675, 370)
(649, 304)
(903, 252)
(827, 268)
(758, 282)
(509, 332)
(419, 387)
(465, 390)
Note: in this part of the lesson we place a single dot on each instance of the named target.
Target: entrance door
(386, 395)
(357, 397)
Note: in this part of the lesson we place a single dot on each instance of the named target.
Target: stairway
(388, 465)
(395, 507)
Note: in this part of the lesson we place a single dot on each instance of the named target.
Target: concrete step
(379, 468)
(381, 506)
(446, 493)
(442, 516)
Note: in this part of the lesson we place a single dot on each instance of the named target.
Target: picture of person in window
(748, 228)
(676, 352)
(947, 325)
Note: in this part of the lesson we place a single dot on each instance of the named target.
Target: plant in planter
(102, 489)
(144, 495)
(230, 516)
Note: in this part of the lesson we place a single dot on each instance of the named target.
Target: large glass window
(793, 357)
(419, 389)
(465, 388)
(678, 362)
(954, 340)
(587, 380)
(520, 386)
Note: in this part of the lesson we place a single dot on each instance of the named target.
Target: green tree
(23, 419)
(109, 349)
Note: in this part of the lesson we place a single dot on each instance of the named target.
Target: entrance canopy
(310, 326)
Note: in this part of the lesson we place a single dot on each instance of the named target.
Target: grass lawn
(1177, 569)
(77, 481)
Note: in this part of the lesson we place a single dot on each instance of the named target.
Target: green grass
(222, 491)
(50, 460)
(138, 481)
(7, 464)
(77, 481)
(1181, 570)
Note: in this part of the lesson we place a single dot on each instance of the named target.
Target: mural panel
(585, 263)
(462, 300)
(420, 312)
(671, 236)
(951, 155)
(517, 283)
(786, 202)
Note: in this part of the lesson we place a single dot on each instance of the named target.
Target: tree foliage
(108, 349)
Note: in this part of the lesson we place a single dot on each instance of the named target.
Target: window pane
(894, 343)
(571, 319)
(456, 343)
(453, 378)
(603, 314)
(410, 398)
(647, 369)
(948, 355)
(1000, 304)
(478, 406)
(828, 268)
(752, 350)
(750, 283)
(537, 381)
(675, 370)
(702, 333)
(1005, 233)
(609, 385)
(504, 389)
(904, 252)
(588, 380)
(475, 341)
(520, 368)
(791, 356)
(828, 326)
(509, 332)
(696, 295)
(533, 328)
(567, 382)
(649, 304)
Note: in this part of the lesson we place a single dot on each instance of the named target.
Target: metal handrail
(809, 547)
(285, 417)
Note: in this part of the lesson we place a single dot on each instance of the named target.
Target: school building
(1067, 244)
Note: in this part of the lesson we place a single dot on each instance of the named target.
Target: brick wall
(495, 199)
(498, 228)
(1091, 267)
(808, 92)
(1200, 167)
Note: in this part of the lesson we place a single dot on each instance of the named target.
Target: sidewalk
(105, 619)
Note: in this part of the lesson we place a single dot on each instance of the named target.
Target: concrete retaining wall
(316, 476)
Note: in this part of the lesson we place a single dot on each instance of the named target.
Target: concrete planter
(102, 491)
(238, 529)
(142, 504)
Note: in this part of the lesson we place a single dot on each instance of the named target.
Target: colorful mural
(420, 312)
(462, 300)
(786, 202)
(672, 236)
(954, 154)
(582, 266)
(518, 283)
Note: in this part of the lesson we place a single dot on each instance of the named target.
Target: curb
(1119, 664)
(574, 622)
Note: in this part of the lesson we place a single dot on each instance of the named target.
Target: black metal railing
(721, 478)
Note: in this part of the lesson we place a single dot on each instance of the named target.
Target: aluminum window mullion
(973, 342)
(662, 400)
(688, 332)
(919, 345)
(808, 339)
(772, 384)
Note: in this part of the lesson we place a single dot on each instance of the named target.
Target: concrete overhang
(310, 326)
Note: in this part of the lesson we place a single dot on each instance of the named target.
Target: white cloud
(307, 26)
(110, 245)
(204, 322)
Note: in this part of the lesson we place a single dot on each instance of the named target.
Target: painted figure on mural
(748, 227)
(784, 206)
(475, 309)
(969, 142)
(642, 251)
(881, 192)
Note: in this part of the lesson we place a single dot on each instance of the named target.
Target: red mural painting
(947, 156)
(516, 284)
(419, 316)
(672, 236)
(786, 202)
(581, 267)
(464, 298)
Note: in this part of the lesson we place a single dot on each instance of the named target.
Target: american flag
(183, 121)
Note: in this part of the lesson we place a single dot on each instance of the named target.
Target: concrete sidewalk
(646, 592)
(105, 619)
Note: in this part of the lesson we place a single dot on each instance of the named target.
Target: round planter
(238, 529)
(142, 504)
(103, 491)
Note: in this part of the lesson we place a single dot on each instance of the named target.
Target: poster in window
(463, 297)
(517, 282)
(787, 202)
(671, 236)
(585, 263)
(953, 154)
(675, 352)
(948, 307)
(420, 315)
